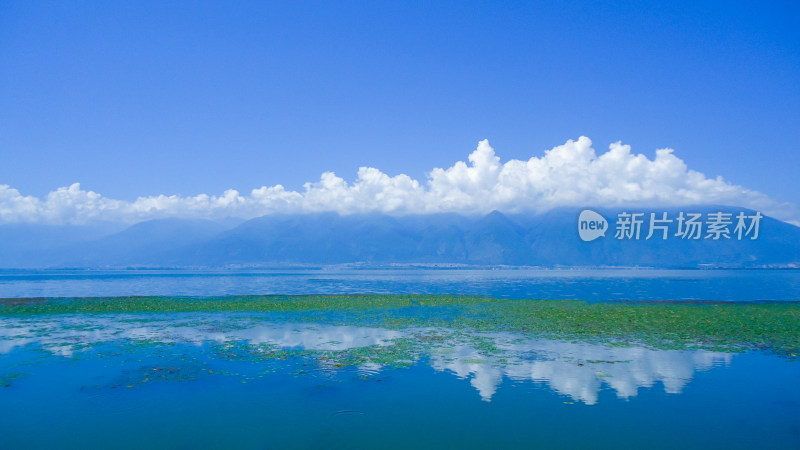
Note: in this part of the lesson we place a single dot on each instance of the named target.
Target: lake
(397, 372)
(590, 285)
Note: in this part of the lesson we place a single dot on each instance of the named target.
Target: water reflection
(577, 370)
(64, 335)
(585, 284)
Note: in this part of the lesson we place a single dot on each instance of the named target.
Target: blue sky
(145, 98)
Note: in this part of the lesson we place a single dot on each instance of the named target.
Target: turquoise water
(591, 285)
(269, 380)
(261, 381)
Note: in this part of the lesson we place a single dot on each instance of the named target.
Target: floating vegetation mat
(731, 327)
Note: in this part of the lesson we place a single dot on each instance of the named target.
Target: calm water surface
(592, 285)
(224, 380)
(250, 381)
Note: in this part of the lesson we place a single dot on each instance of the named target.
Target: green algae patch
(6, 379)
(715, 326)
(266, 303)
(773, 327)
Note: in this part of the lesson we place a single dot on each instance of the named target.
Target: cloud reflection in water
(577, 370)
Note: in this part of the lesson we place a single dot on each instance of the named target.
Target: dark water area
(591, 285)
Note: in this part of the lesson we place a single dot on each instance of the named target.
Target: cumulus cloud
(572, 174)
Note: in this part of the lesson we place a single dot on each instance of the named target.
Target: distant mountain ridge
(549, 239)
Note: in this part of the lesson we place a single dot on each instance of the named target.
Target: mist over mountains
(279, 240)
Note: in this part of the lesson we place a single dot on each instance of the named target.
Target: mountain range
(549, 239)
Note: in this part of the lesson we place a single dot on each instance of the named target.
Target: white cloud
(567, 175)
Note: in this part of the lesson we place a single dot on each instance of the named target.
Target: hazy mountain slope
(32, 245)
(549, 239)
(147, 243)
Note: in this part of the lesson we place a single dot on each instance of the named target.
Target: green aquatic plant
(266, 303)
(6, 379)
(773, 327)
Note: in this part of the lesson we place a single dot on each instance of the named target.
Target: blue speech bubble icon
(591, 225)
